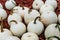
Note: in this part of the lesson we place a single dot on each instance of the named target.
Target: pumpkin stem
(53, 37)
(21, 6)
(1, 25)
(36, 19)
(13, 3)
(13, 21)
(11, 12)
(57, 26)
(29, 11)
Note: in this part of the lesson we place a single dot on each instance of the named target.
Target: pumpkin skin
(46, 8)
(29, 36)
(30, 16)
(10, 4)
(52, 39)
(3, 14)
(51, 30)
(59, 18)
(37, 4)
(24, 10)
(18, 29)
(49, 18)
(53, 3)
(1, 6)
(14, 16)
(32, 27)
(5, 34)
(12, 38)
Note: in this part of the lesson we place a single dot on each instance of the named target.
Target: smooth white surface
(30, 36)
(18, 29)
(45, 8)
(3, 14)
(12, 38)
(49, 18)
(36, 28)
(52, 31)
(37, 4)
(15, 17)
(31, 16)
(10, 4)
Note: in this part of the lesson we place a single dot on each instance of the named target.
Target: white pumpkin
(30, 36)
(31, 15)
(48, 18)
(1, 5)
(18, 29)
(37, 4)
(52, 3)
(5, 34)
(52, 30)
(59, 18)
(10, 4)
(14, 16)
(45, 8)
(12, 38)
(3, 14)
(35, 26)
(21, 10)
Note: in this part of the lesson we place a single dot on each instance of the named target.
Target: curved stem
(36, 19)
(53, 37)
(1, 25)
(13, 21)
(13, 3)
(57, 26)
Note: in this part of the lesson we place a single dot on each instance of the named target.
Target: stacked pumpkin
(28, 24)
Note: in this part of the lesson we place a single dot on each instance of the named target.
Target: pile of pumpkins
(41, 16)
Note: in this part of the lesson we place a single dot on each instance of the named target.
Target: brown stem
(21, 6)
(29, 11)
(11, 12)
(13, 21)
(57, 26)
(1, 25)
(36, 19)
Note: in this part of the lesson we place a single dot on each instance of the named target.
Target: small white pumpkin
(4, 32)
(12, 38)
(35, 26)
(59, 18)
(30, 36)
(48, 18)
(1, 5)
(52, 30)
(45, 8)
(21, 10)
(31, 15)
(3, 14)
(18, 29)
(14, 16)
(10, 4)
(37, 4)
(52, 3)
